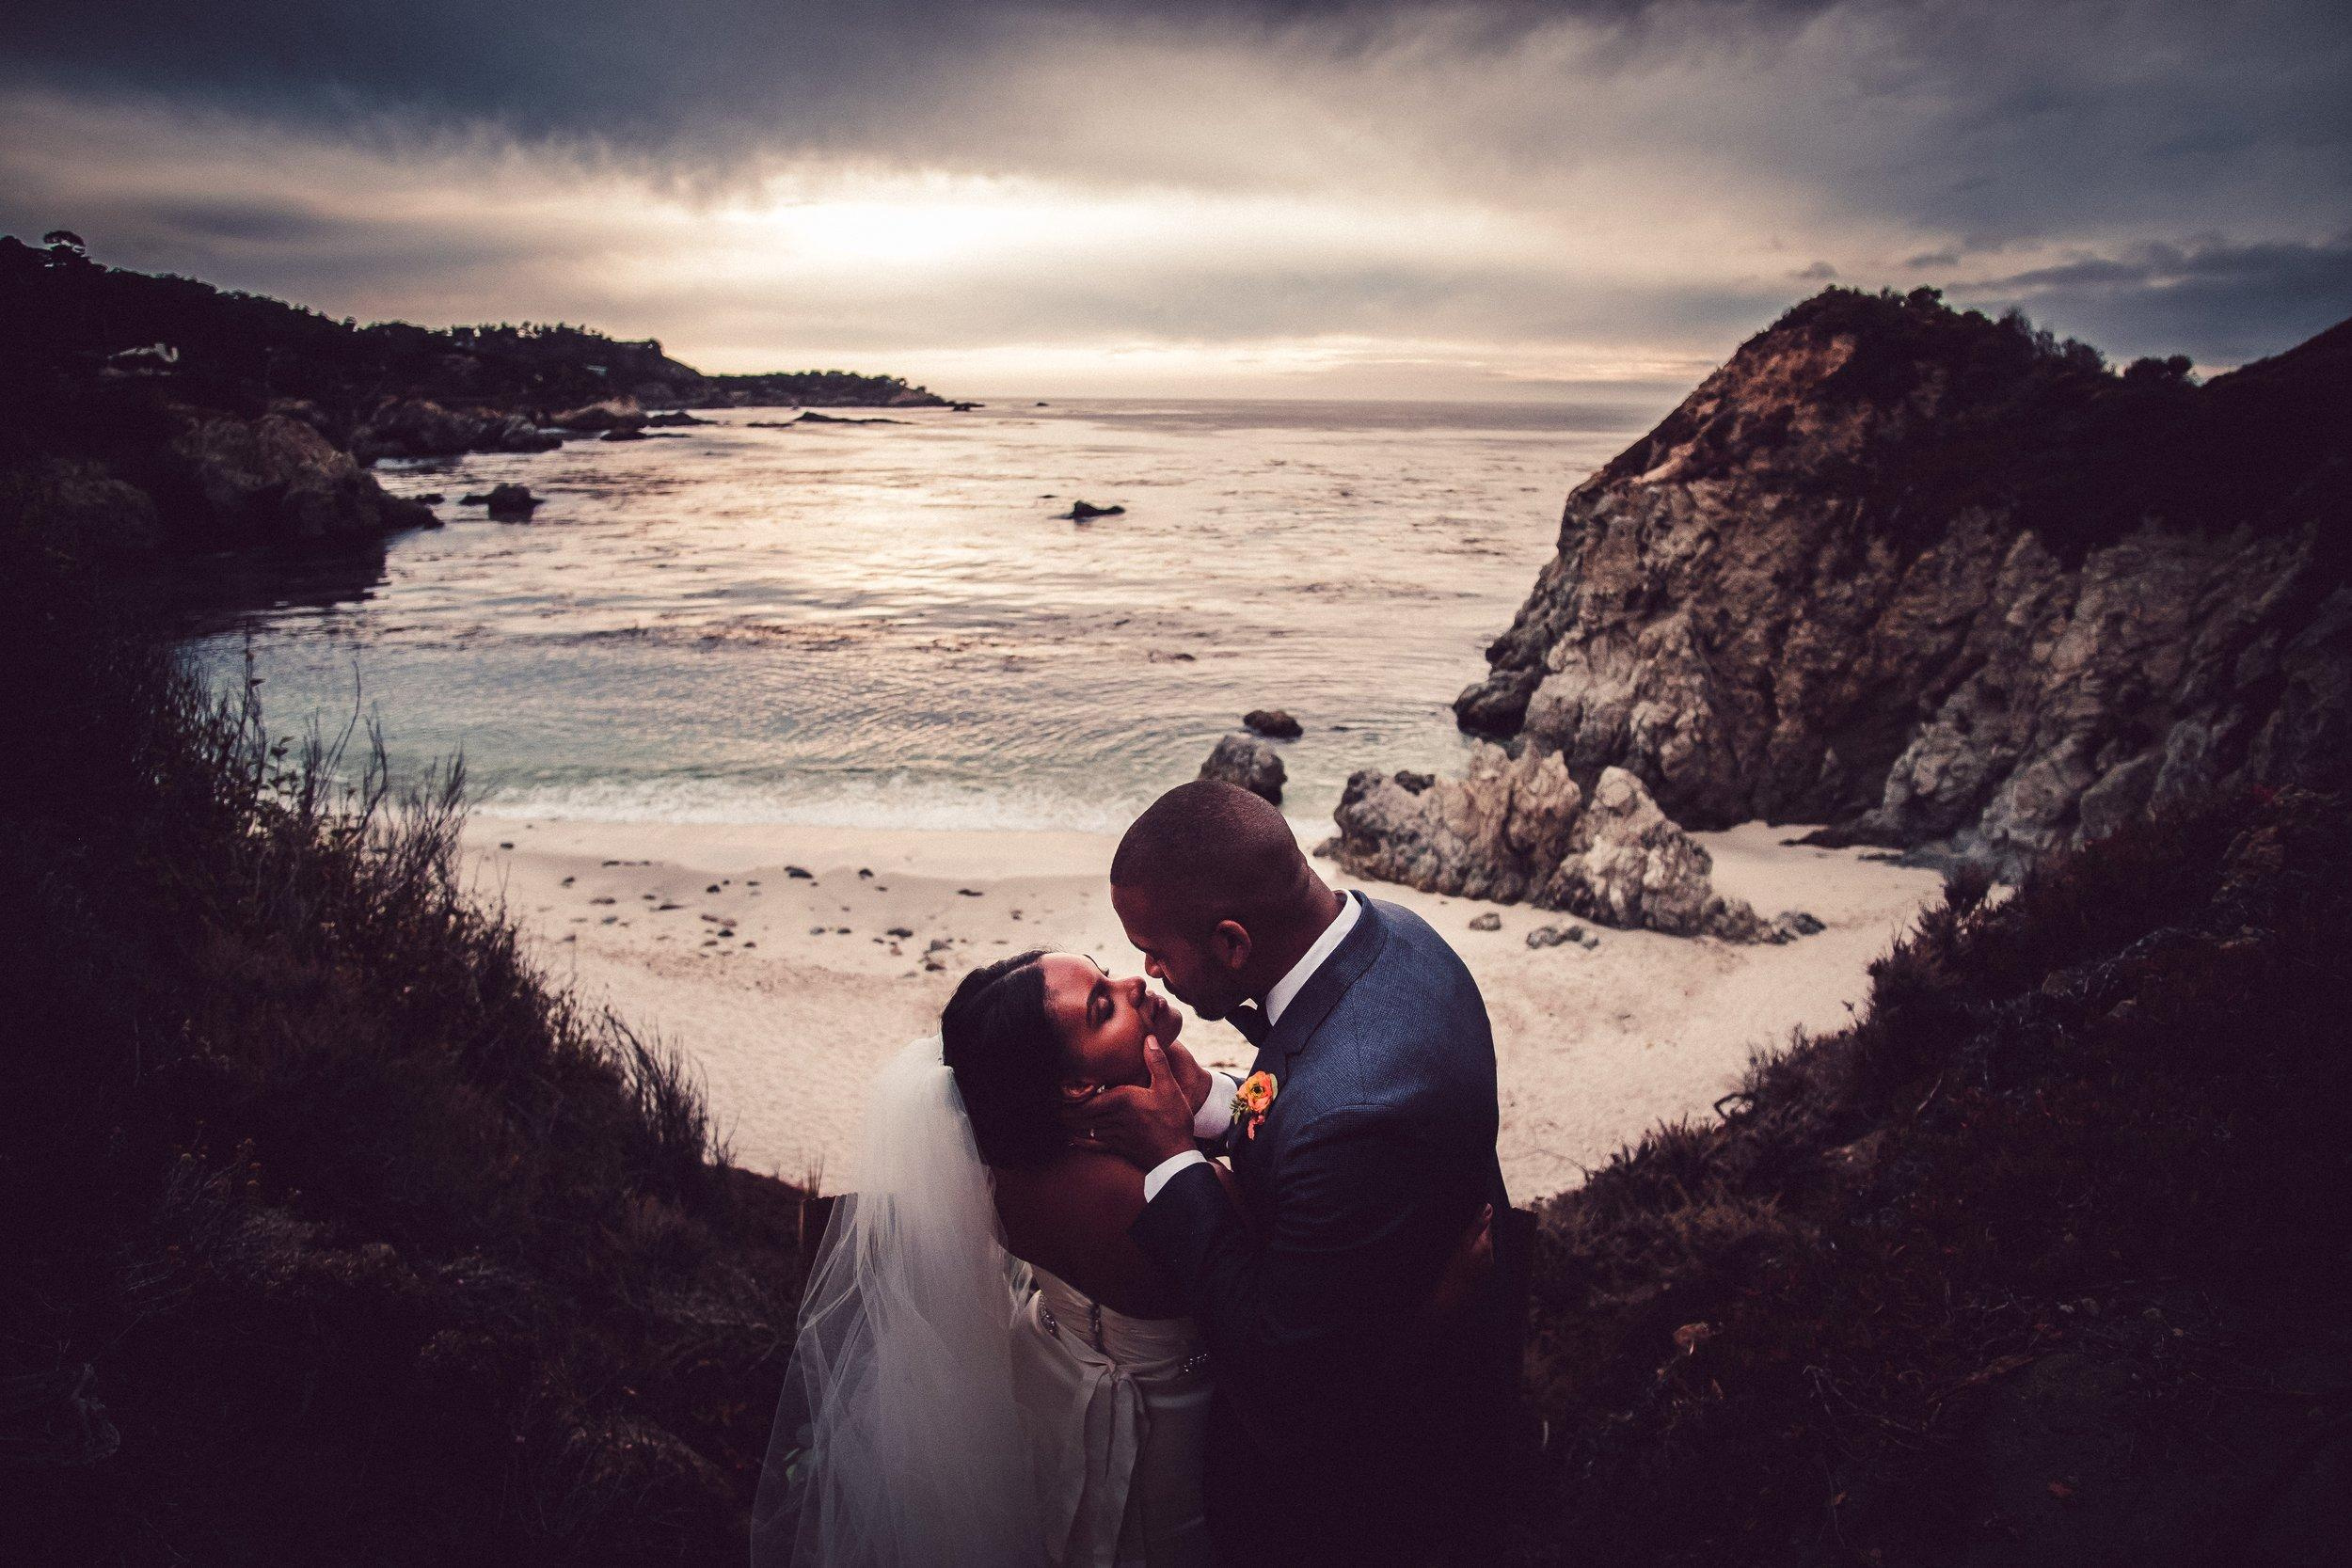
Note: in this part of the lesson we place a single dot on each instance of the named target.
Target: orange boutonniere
(1252, 1099)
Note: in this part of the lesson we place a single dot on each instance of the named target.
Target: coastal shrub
(2036, 1263)
(1964, 411)
(334, 1233)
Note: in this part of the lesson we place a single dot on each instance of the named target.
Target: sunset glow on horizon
(1398, 201)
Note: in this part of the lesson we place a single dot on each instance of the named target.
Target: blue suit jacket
(1376, 1153)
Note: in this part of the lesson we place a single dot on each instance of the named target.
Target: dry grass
(377, 1246)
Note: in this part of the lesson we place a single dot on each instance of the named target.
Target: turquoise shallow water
(884, 624)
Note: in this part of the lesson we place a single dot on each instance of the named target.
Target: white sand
(787, 1026)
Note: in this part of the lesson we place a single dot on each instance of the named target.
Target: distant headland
(157, 412)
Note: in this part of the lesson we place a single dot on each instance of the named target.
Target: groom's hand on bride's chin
(1190, 1075)
(1143, 1124)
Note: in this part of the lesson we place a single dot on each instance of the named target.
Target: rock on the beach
(1083, 511)
(1632, 867)
(1487, 921)
(1272, 722)
(1517, 829)
(1246, 761)
(1498, 833)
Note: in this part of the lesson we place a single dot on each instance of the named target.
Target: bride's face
(1102, 1021)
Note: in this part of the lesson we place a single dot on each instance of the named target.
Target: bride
(988, 1370)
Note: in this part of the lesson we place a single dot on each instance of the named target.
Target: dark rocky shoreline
(157, 416)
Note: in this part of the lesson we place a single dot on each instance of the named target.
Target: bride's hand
(1465, 1272)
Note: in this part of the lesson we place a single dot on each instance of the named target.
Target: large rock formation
(1519, 829)
(1945, 584)
(420, 427)
(274, 481)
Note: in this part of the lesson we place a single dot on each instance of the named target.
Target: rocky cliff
(1945, 584)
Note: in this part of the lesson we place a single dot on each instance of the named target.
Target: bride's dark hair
(1000, 1045)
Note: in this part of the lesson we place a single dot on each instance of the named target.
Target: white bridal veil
(898, 1439)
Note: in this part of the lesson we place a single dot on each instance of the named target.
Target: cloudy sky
(1374, 197)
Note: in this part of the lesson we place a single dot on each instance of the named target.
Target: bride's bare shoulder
(1071, 1215)
(1079, 1188)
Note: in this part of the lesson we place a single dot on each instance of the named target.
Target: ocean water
(884, 625)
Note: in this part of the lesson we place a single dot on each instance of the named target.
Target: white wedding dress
(1118, 1416)
(948, 1404)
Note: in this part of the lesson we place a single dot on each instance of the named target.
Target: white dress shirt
(1217, 1112)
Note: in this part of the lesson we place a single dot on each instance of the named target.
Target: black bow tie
(1252, 1023)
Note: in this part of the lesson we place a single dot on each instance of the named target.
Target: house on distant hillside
(155, 359)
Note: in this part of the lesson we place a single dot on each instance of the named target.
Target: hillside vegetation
(62, 309)
(2041, 1261)
(334, 1233)
(144, 419)
(2000, 413)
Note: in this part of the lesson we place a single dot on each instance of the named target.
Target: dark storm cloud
(2220, 303)
(1627, 180)
(686, 78)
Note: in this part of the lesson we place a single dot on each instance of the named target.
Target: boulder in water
(506, 500)
(1246, 761)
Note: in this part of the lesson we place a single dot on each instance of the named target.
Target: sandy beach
(771, 956)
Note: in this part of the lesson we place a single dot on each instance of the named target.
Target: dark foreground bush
(2041, 1262)
(332, 1233)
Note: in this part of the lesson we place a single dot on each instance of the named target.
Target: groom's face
(1185, 953)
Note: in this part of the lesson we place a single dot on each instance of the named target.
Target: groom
(1352, 1424)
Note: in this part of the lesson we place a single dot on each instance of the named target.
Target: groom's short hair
(1222, 853)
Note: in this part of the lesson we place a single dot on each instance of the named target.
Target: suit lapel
(1348, 963)
(1323, 989)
